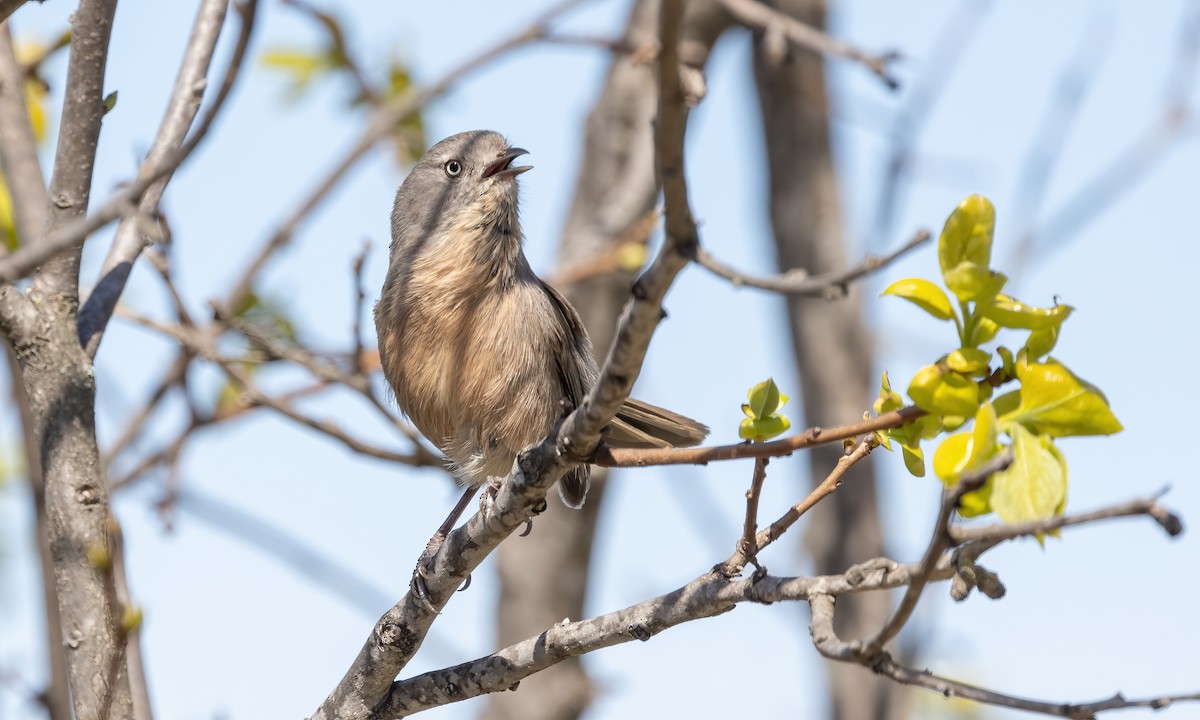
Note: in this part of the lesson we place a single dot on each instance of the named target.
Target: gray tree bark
(833, 350)
(543, 579)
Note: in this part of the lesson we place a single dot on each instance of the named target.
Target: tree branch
(941, 540)
(830, 286)
(708, 595)
(619, 457)
(761, 17)
(830, 646)
(8, 7)
(75, 156)
(131, 237)
(67, 236)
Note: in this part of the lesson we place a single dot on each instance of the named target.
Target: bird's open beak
(502, 166)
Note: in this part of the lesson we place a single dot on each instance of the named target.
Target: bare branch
(951, 497)
(1170, 522)
(754, 542)
(708, 595)
(65, 236)
(747, 547)
(203, 344)
(761, 17)
(131, 238)
(616, 457)
(829, 645)
(830, 286)
(75, 156)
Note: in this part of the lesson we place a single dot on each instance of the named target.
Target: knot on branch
(969, 575)
(396, 636)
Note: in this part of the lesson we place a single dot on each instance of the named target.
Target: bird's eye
(453, 168)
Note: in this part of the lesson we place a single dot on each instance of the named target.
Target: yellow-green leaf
(967, 235)
(1056, 403)
(914, 459)
(939, 390)
(765, 399)
(1009, 312)
(888, 399)
(972, 282)
(762, 429)
(985, 330)
(762, 419)
(923, 294)
(1034, 487)
(968, 360)
(966, 451)
(1041, 342)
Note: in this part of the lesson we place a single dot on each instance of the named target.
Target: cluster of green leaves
(763, 420)
(331, 58)
(1049, 401)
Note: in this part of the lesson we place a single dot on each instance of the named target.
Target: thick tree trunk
(833, 351)
(544, 578)
(61, 388)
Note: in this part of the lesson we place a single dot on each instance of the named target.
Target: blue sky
(230, 632)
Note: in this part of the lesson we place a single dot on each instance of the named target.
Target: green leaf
(301, 67)
(965, 451)
(110, 102)
(1009, 312)
(1041, 342)
(1056, 403)
(888, 400)
(762, 420)
(939, 390)
(985, 330)
(923, 294)
(765, 399)
(968, 360)
(1034, 487)
(914, 459)
(971, 282)
(967, 235)
(1008, 363)
(763, 429)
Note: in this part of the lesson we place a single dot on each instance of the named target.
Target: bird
(482, 354)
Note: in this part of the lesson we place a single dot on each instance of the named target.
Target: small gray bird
(480, 351)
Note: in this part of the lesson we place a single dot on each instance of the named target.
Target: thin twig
(969, 482)
(131, 238)
(760, 16)
(747, 546)
(203, 346)
(360, 299)
(71, 235)
(830, 286)
(615, 457)
(829, 645)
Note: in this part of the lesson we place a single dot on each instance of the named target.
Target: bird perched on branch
(481, 352)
